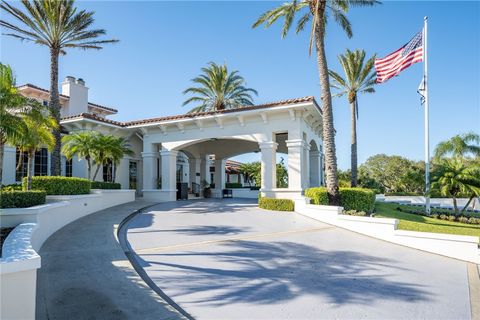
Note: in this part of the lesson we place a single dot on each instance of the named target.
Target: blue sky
(164, 44)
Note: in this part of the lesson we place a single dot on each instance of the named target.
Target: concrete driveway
(227, 259)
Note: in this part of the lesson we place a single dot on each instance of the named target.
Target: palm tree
(359, 78)
(461, 145)
(219, 89)
(120, 148)
(318, 11)
(110, 148)
(456, 177)
(83, 144)
(58, 25)
(35, 134)
(12, 107)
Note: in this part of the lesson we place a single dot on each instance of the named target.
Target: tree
(13, 106)
(252, 171)
(359, 78)
(57, 25)
(318, 11)
(219, 89)
(35, 133)
(457, 177)
(109, 148)
(282, 175)
(83, 144)
(461, 145)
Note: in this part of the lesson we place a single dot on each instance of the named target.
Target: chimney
(78, 93)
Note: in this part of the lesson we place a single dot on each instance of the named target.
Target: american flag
(394, 63)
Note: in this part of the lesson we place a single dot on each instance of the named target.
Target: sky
(163, 45)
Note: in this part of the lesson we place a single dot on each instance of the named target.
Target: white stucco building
(191, 148)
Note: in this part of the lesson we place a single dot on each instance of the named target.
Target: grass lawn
(415, 222)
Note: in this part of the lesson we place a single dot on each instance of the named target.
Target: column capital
(268, 145)
(295, 143)
(165, 153)
(149, 155)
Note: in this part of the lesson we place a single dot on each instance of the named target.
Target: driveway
(227, 259)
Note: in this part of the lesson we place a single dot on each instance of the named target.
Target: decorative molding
(163, 128)
(241, 120)
(292, 114)
(199, 124)
(219, 122)
(180, 127)
(264, 117)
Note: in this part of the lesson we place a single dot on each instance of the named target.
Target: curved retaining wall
(20, 260)
(453, 246)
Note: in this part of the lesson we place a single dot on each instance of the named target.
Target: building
(190, 148)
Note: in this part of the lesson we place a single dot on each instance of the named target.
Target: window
(108, 171)
(20, 166)
(41, 163)
(68, 168)
(45, 103)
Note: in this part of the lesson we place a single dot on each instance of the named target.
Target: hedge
(275, 204)
(105, 185)
(58, 185)
(233, 185)
(358, 199)
(11, 187)
(22, 199)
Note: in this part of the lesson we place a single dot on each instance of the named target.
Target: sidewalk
(86, 275)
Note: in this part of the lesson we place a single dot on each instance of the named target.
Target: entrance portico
(292, 127)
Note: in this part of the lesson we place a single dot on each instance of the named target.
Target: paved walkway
(86, 275)
(227, 259)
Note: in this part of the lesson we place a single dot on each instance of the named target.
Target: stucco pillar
(219, 175)
(205, 169)
(269, 165)
(295, 161)
(194, 165)
(169, 168)
(122, 172)
(315, 170)
(150, 170)
(306, 167)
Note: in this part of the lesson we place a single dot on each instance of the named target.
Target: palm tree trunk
(96, 172)
(468, 202)
(353, 144)
(2, 150)
(55, 111)
(31, 155)
(89, 168)
(328, 128)
(455, 204)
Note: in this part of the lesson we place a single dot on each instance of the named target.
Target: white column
(122, 173)
(315, 169)
(205, 169)
(306, 166)
(295, 160)
(269, 165)
(169, 167)
(150, 170)
(219, 174)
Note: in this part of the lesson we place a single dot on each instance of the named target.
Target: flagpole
(427, 133)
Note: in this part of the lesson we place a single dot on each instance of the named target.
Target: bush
(22, 199)
(12, 187)
(276, 204)
(354, 213)
(403, 194)
(58, 185)
(105, 185)
(233, 185)
(357, 199)
(255, 188)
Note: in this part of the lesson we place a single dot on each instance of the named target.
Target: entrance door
(132, 175)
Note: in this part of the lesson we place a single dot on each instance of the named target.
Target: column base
(282, 193)
(160, 195)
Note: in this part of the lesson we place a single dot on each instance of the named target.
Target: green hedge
(22, 199)
(58, 185)
(275, 204)
(233, 185)
(350, 198)
(105, 185)
(11, 187)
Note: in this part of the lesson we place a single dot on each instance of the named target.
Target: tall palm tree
(12, 107)
(318, 11)
(359, 78)
(219, 89)
(57, 25)
(461, 145)
(456, 177)
(83, 144)
(35, 134)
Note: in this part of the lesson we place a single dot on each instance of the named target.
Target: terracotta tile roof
(29, 85)
(200, 114)
(194, 115)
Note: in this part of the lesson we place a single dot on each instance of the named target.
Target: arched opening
(315, 165)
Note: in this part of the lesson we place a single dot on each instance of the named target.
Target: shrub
(276, 204)
(22, 199)
(473, 220)
(463, 219)
(354, 213)
(105, 185)
(233, 185)
(254, 188)
(12, 187)
(451, 217)
(358, 199)
(58, 185)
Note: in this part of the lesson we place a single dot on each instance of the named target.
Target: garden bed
(416, 222)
